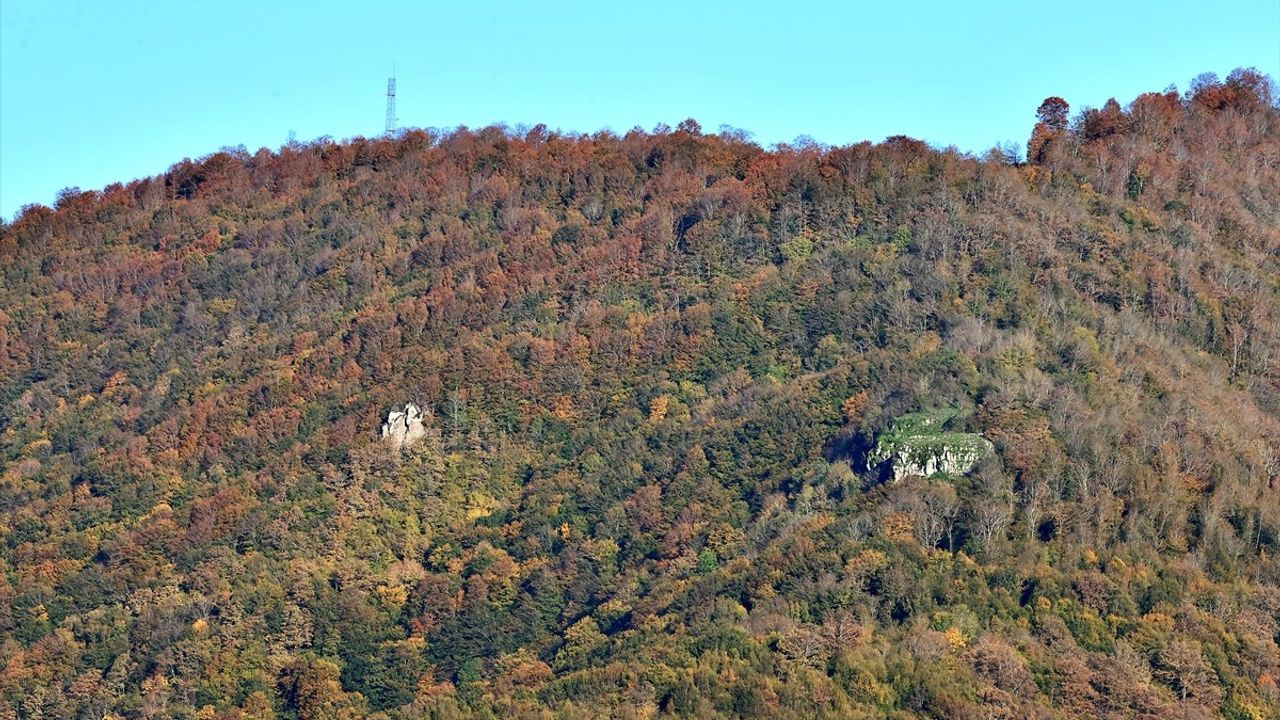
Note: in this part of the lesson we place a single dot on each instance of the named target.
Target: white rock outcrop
(916, 445)
(938, 460)
(404, 427)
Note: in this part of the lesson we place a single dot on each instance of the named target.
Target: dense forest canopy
(653, 369)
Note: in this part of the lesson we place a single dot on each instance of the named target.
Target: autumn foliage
(653, 366)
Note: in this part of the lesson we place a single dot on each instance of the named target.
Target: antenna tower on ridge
(391, 105)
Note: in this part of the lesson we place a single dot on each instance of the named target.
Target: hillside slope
(654, 367)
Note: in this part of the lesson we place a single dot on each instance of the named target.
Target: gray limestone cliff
(404, 427)
(916, 445)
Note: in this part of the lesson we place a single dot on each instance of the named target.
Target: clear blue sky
(96, 92)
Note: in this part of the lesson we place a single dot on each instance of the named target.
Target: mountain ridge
(652, 367)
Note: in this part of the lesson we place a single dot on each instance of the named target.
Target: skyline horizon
(743, 133)
(93, 95)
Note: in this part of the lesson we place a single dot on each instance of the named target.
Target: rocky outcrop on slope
(404, 427)
(916, 445)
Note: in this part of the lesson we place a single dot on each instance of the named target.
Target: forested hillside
(654, 368)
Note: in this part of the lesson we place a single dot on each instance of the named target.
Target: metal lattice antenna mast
(391, 104)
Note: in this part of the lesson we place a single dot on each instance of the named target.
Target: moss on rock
(918, 444)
